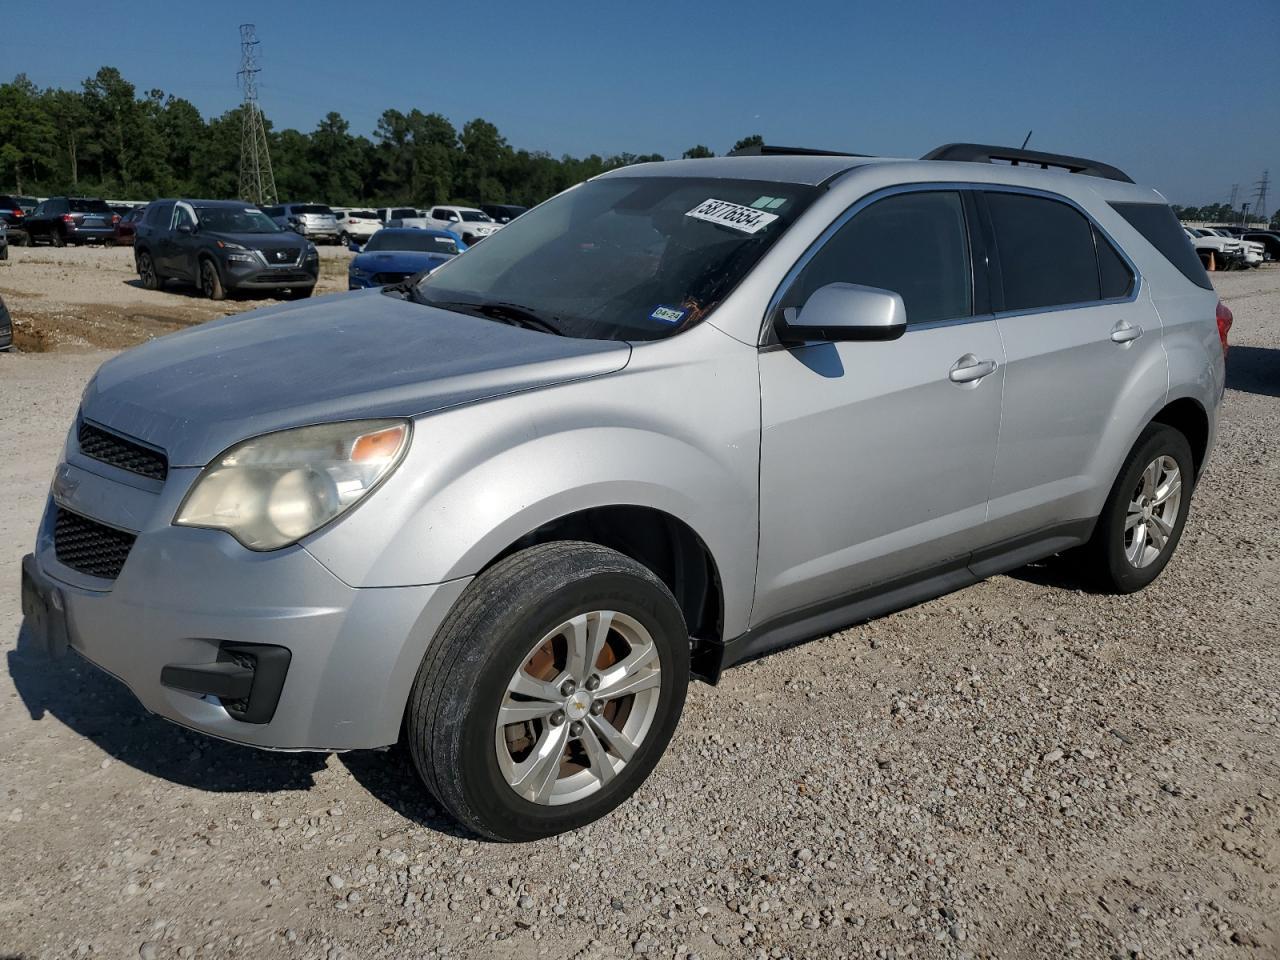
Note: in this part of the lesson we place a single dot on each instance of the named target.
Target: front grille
(119, 452)
(285, 255)
(88, 546)
(384, 278)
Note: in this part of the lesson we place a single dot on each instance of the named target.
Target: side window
(1113, 272)
(1046, 252)
(438, 214)
(182, 216)
(1160, 228)
(158, 215)
(914, 244)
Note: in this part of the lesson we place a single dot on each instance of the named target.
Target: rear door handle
(1124, 333)
(969, 369)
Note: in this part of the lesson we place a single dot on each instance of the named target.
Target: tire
(211, 281)
(146, 267)
(494, 630)
(4, 252)
(344, 239)
(1107, 556)
(56, 238)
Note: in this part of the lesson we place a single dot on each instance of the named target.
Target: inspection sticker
(668, 314)
(734, 215)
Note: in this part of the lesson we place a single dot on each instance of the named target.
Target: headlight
(273, 490)
(312, 252)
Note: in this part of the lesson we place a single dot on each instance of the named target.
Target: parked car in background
(76, 220)
(6, 327)
(393, 254)
(387, 214)
(1252, 252)
(315, 221)
(127, 226)
(27, 203)
(222, 246)
(11, 211)
(358, 225)
(4, 240)
(502, 212)
(1268, 239)
(470, 224)
(1220, 253)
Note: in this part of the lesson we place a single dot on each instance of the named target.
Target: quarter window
(914, 244)
(1046, 252)
(1113, 272)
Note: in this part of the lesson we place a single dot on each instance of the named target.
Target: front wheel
(1144, 515)
(147, 271)
(550, 691)
(210, 281)
(56, 238)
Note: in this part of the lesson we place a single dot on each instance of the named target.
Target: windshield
(361, 215)
(403, 213)
(475, 216)
(416, 240)
(235, 220)
(624, 258)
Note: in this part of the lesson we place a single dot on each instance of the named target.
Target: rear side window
(914, 244)
(1113, 273)
(1046, 252)
(1158, 225)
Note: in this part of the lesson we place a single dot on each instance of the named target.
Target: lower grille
(88, 546)
(383, 279)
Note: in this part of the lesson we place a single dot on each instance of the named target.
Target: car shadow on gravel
(1059, 571)
(101, 708)
(389, 777)
(1254, 370)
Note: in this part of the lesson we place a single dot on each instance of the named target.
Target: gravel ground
(1021, 769)
(87, 297)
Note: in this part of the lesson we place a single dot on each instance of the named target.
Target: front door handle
(969, 369)
(1124, 333)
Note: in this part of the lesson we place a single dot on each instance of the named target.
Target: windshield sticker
(732, 215)
(769, 203)
(668, 314)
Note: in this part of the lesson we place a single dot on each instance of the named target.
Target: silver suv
(676, 417)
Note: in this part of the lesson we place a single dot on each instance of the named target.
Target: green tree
(698, 153)
(755, 140)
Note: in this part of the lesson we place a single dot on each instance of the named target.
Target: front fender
(681, 438)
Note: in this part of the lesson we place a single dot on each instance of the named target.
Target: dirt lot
(86, 297)
(1018, 770)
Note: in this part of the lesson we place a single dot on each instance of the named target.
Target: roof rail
(772, 150)
(985, 153)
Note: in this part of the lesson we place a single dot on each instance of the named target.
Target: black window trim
(981, 246)
(1135, 287)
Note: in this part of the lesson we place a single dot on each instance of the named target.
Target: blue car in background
(394, 253)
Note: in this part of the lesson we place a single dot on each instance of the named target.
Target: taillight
(19, 213)
(68, 218)
(115, 218)
(1225, 319)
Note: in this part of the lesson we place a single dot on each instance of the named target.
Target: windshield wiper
(510, 313)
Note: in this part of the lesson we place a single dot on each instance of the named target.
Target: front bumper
(184, 596)
(246, 276)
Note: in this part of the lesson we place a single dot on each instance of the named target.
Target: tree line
(1221, 213)
(107, 140)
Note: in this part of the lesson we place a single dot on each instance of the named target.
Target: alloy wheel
(579, 706)
(1153, 511)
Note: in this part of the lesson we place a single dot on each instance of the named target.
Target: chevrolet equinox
(677, 416)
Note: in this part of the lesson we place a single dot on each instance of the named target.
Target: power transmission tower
(1260, 205)
(257, 182)
(1235, 195)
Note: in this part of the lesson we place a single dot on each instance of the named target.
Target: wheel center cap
(578, 706)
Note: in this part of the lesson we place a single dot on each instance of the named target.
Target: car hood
(284, 240)
(399, 261)
(342, 357)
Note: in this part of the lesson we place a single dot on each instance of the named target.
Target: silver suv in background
(676, 417)
(315, 221)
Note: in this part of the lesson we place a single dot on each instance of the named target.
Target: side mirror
(353, 247)
(185, 228)
(844, 311)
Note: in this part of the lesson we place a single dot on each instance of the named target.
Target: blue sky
(1148, 86)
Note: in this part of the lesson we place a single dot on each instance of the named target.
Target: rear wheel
(1143, 518)
(56, 238)
(210, 281)
(550, 692)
